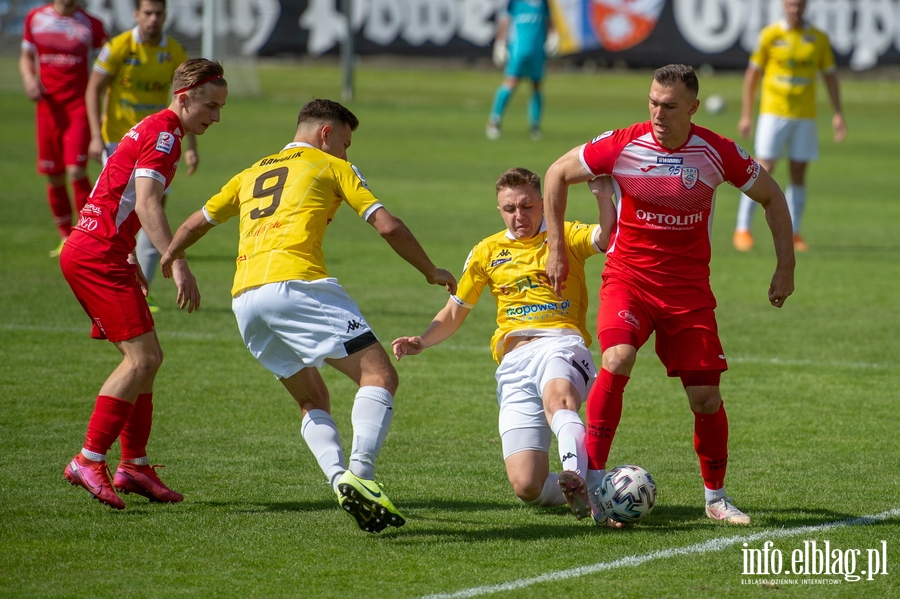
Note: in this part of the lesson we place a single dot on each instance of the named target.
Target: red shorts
(63, 137)
(108, 292)
(687, 336)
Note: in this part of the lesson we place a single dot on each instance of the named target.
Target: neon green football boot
(365, 500)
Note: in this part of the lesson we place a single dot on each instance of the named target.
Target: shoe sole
(576, 495)
(370, 516)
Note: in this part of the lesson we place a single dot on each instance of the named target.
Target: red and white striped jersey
(152, 149)
(63, 45)
(666, 200)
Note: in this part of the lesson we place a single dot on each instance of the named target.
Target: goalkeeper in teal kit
(525, 37)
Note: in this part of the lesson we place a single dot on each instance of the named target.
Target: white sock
(796, 201)
(570, 434)
(373, 410)
(147, 256)
(714, 495)
(551, 495)
(746, 208)
(91, 455)
(594, 478)
(321, 435)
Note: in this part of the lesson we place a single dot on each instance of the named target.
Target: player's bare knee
(527, 489)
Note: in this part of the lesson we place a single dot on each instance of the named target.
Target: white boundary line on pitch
(636, 560)
(461, 348)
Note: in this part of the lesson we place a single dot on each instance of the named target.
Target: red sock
(711, 445)
(81, 189)
(61, 208)
(110, 415)
(136, 432)
(603, 411)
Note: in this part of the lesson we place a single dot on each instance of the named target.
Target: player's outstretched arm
(566, 171)
(603, 190)
(445, 323)
(404, 243)
(748, 92)
(93, 99)
(190, 231)
(834, 94)
(34, 89)
(769, 195)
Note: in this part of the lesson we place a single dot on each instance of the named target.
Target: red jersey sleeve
(599, 155)
(738, 168)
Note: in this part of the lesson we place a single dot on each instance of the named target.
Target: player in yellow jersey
(541, 341)
(789, 56)
(131, 79)
(292, 315)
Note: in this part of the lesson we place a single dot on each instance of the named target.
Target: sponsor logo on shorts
(165, 142)
(353, 325)
(630, 318)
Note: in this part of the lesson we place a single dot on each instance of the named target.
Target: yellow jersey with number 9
(285, 202)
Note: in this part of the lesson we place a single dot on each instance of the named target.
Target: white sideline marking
(636, 560)
(460, 348)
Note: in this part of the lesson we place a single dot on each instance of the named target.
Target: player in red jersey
(98, 263)
(59, 39)
(656, 278)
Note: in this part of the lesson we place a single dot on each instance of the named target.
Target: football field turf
(811, 394)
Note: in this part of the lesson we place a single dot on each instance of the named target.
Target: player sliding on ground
(540, 343)
(292, 315)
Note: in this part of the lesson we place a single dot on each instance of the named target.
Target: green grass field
(811, 393)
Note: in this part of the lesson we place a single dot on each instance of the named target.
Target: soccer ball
(714, 104)
(628, 494)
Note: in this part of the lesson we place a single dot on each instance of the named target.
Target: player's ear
(694, 106)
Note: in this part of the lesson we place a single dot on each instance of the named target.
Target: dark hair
(320, 110)
(195, 72)
(137, 3)
(518, 177)
(675, 73)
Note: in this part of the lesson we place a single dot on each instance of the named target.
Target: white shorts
(521, 378)
(773, 133)
(292, 325)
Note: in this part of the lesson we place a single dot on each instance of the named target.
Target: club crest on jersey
(601, 136)
(689, 176)
(743, 153)
(165, 142)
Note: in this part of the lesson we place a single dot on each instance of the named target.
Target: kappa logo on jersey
(601, 136)
(361, 178)
(630, 318)
(689, 176)
(165, 142)
(741, 151)
(502, 258)
(353, 325)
